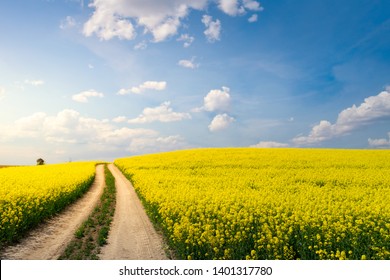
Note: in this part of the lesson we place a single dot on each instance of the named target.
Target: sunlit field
(30, 194)
(246, 203)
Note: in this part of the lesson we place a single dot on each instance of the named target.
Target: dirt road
(132, 235)
(49, 240)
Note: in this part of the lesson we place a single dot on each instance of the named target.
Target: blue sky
(102, 79)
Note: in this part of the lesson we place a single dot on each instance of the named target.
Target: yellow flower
(26, 193)
(268, 200)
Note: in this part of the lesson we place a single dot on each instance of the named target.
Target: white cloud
(124, 91)
(66, 127)
(220, 122)
(166, 29)
(188, 63)
(213, 28)
(107, 24)
(237, 7)
(373, 108)
(253, 18)
(30, 127)
(68, 130)
(320, 132)
(119, 119)
(269, 144)
(216, 100)
(148, 85)
(141, 46)
(187, 39)
(84, 95)
(379, 142)
(34, 82)
(162, 113)
(230, 7)
(68, 22)
(162, 19)
(252, 5)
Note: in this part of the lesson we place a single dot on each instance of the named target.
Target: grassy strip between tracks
(93, 233)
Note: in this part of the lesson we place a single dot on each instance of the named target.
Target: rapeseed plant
(248, 203)
(30, 194)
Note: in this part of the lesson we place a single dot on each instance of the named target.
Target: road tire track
(132, 236)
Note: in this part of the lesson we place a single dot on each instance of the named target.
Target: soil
(132, 236)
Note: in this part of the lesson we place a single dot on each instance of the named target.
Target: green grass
(93, 233)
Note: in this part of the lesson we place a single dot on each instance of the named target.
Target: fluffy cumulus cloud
(148, 85)
(237, 7)
(162, 113)
(213, 28)
(253, 18)
(220, 122)
(230, 7)
(252, 5)
(68, 128)
(372, 109)
(382, 142)
(188, 63)
(83, 96)
(160, 18)
(106, 24)
(186, 39)
(270, 144)
(216, 100)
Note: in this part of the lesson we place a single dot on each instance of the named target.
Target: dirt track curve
(49, 240)
(132, 235)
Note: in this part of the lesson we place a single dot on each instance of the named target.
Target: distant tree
(40, 161)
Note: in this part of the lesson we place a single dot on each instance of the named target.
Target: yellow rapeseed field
(30, 194)
(244, 203)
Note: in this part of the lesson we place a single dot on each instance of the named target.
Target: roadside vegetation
(31, 194)
(93, 233)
